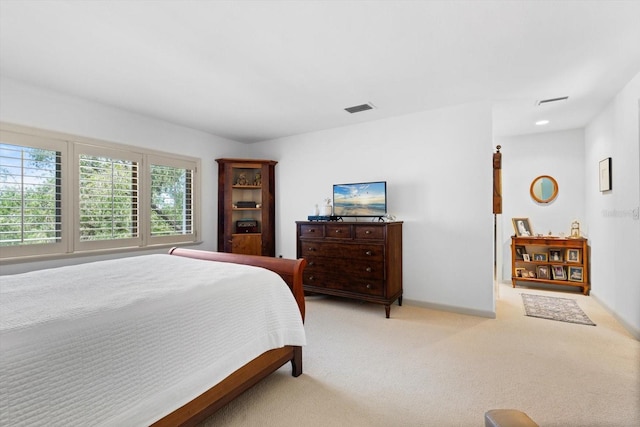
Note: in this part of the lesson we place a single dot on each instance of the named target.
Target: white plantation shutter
(31, 195)
(30, 182)
(65, 194)
(172, 199)
(108, 198)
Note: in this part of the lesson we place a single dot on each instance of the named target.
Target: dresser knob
(338, 231)
(368, 286)
(368, 269)
(368, 253)
(311, 263)
(311, 278)
(313, 230)
(312, 249)
(367, 232)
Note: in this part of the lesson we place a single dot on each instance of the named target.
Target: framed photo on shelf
(540, 257)
(573, 255)
(522, 227)
(558, 272)
(526, 257)
(542, 271)
(555, 255)
(575, 274)
(520, 250)
(521, 272)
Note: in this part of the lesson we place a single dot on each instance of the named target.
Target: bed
(162, 340)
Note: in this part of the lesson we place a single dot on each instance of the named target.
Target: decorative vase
(325, 210)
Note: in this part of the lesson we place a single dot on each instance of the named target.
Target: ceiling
(257, 70)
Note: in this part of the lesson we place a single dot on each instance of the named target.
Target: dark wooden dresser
(360, 260)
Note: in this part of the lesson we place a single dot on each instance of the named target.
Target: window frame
(38, 142)
(71, 147)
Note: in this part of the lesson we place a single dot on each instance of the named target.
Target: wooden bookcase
(555, 261)
(246, 206)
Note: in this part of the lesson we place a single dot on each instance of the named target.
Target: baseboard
(630, 328)
(450, 308)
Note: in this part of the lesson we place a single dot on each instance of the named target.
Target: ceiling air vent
(359, 108)
(550, 100)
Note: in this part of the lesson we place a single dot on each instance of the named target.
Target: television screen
(360, 199)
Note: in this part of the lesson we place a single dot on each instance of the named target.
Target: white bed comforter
(125, 342)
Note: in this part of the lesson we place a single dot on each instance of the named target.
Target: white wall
(613, 215)
(39, 108)
(557, 154)
(437, 165)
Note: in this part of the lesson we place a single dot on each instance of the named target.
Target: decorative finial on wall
(497, 181)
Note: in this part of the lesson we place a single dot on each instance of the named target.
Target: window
(31, 195)
(31, 192)
(62, 196)
(172, 199)
(107, 198)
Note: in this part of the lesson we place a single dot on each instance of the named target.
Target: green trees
(171, 200)
(30, 195)
(108, 198)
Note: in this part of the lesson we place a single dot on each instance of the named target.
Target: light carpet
(426, 367)
(553, 308)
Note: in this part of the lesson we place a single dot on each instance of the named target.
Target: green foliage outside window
(170, 201)
(30, 196)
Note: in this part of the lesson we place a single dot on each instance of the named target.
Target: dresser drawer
(323, 280)
(338, 231)
(310, 248)
(369, 232)
(344, 267)
(311, 231)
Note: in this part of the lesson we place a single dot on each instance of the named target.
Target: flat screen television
(365, 199)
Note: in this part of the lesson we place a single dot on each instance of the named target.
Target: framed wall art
(605, 174)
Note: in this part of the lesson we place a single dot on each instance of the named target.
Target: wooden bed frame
(244, 378)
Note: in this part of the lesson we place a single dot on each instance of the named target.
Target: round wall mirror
(544, 189)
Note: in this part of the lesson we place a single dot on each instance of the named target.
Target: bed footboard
(289, 269)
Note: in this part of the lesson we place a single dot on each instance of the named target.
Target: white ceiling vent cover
(359, 108)
(550, 100)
